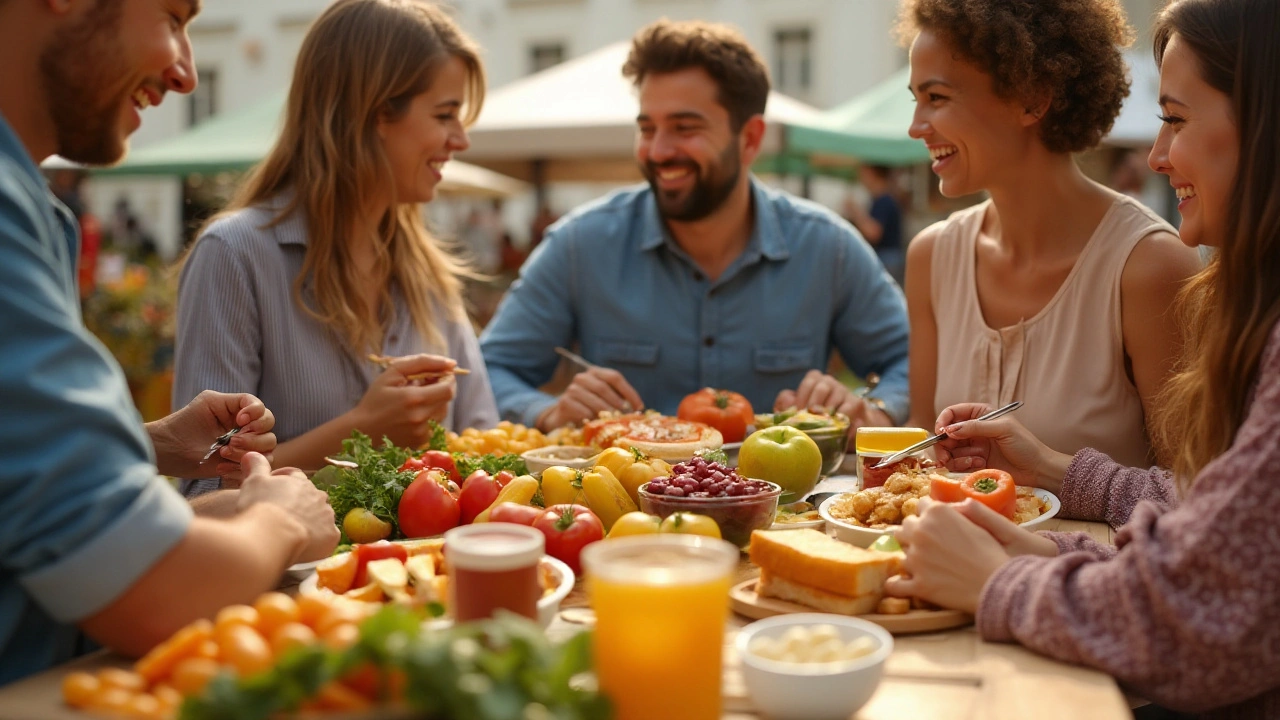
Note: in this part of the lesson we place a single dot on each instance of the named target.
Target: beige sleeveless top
(1066, 364)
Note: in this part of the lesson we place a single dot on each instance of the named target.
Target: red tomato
(477, 494)
(374, 551)
(568, 529)
(426, 507)
(443, 461)
(503, 477)
(510, 512)
(728, 412)
(413, 464)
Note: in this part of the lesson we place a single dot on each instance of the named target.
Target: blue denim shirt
(84, 514)
(610, 277)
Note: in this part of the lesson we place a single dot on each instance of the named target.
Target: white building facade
(823, 52)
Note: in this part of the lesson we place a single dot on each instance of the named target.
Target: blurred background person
(881, 224)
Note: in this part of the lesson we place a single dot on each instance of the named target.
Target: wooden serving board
(744, 601)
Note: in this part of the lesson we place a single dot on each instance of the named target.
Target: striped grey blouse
(239, 330)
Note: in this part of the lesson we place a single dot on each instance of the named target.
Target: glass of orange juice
(661, 604)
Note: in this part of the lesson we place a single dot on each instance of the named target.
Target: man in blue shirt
(704, 277)
(92, 539)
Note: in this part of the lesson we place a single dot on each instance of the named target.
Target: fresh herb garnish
(986, 485)
(492, 464)
(714, 455)
(376, 482)
(489, 670)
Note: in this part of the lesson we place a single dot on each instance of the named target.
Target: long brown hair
(1229, 310)
(361, 62)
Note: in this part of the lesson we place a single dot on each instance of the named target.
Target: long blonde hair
(361, 62)
(1230, 309)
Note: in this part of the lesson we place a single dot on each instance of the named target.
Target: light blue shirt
(610, 277)
(84, 513)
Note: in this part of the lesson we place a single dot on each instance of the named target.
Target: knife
(934, 440)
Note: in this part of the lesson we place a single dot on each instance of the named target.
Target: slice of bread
(812, 558)
(770, 585)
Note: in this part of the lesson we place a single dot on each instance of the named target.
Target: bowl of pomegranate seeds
(738, 504)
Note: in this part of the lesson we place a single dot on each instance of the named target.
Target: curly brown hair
(741, 76)
(1068, 50)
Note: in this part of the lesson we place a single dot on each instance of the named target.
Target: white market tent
(577, 120)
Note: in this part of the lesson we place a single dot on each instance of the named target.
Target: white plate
(548, 605)
(863, 537)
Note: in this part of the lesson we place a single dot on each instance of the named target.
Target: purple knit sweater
(1185, 610)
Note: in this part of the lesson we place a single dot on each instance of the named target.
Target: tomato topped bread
(655, 435)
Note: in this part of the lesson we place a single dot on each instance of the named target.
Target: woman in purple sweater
(1185, 609)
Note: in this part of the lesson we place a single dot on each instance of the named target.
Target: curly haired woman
(1056, 290)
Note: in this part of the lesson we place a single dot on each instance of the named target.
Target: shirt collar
(766, 238)
(11, 146)
(291, 229)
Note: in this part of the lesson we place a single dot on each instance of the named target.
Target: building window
(203, 103)
(792, 52)
(545, 55)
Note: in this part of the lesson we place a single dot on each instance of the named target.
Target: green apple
(782, 455)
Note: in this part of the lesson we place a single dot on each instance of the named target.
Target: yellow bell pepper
(605, 496)
(632, 468)
(561, 485)
(616, 459)
(520, 490)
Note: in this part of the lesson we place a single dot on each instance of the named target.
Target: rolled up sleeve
(84, 513)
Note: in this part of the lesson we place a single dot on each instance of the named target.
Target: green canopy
(871, 127)
(238, 140)
(233, 141)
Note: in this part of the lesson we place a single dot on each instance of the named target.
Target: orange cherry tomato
(79, 689)
(274, 610)
(236, 614)
(191, 675)
(241, 647)
(291, 635)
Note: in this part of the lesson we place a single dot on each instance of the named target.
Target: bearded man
(94, 544)
(703, 277)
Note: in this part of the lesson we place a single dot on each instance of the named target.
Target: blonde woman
(322, 257)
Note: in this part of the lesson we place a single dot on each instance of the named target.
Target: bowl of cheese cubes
(812, 665)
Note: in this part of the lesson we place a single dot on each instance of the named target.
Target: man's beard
(708, 193)
(82, 74)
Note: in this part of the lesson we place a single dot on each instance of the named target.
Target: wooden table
(951, 675)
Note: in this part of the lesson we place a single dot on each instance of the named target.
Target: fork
(219, 443)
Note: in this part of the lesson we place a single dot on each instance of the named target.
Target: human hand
(1014, 539)
(1003, 443)
(948, 558)
(400, 407)
(290, 489)
(182, 439)
(591, 392)
(820, 391)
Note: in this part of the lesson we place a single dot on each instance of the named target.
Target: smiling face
(686, 146)
(419, 144)
(972, 133)
(103, 68)
(1198, 146)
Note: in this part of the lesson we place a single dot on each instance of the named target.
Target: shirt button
(708, 341)
(393, 338)
(697, 276)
